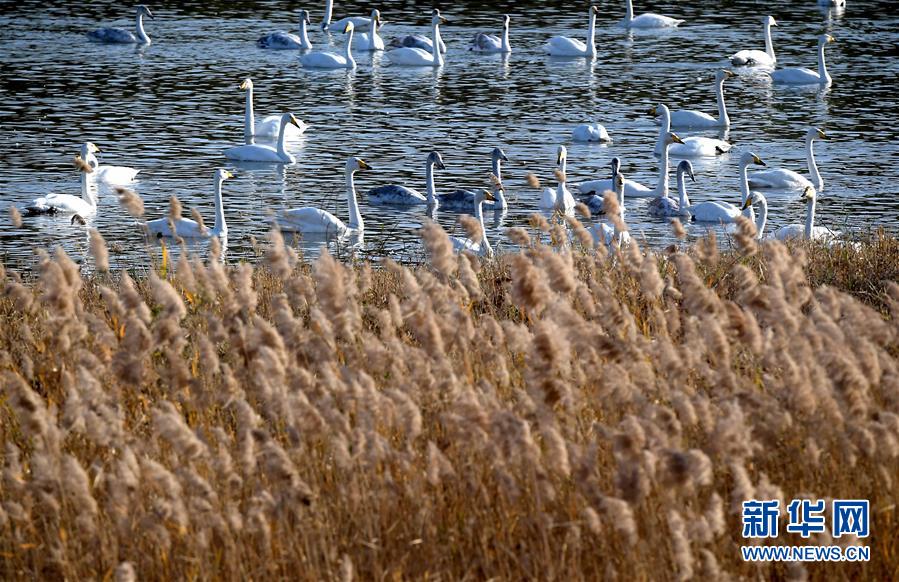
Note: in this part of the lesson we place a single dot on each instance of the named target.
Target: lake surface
(171, 109)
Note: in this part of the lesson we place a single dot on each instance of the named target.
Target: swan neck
(812, 165)
(822, 65)
(304, 34)
(347, 52)
(810, 218)
(497, 169)
(591, 35)
(723, 118)
(326, 21)
(682, 198)
(664, 128)
(435, 40)
(629, 11)
(662, 188)
(744, 183)
(249, 122)
(139, 27)
(429, 182)
(762, 218)
(507, 47)
(220, 226)
(282, 137)
(88, 190)
(479, 214)
(769, 46)
(355, 215)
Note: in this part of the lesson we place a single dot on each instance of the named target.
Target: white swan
(315, 220)
(563, 46)
(329, 60)
(361, 23)
(372, 41)
(662, 204)
(647, 19)
(591, 132)
(803, 76)
(481, 247)
(464, 199)
(84, 205)
(417, 57)
(837, 3)
(762, 217)
(419, 40)
(807, 230)
(286, 41)
(596, 188)
(122, 36)
(403, 196)
(781, 179)
(488, 43)
(269, 126)
(692, 118)
(608, 235)
(187, 228)
(116, 175)
(755, 57)
(559, 199)
(710, 211)
(691, 147)
(266, 153)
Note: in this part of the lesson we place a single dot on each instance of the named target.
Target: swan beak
(807, 194)
(488, 196)
(227, 175)
(348, 27)
(676, 139)
(363, 165)
(729, 74)
(295, 121)
(758, 161)
(95, 148)
(148, 13)
(654, 111)
(748, 202)
(692, 177)
(821, 135)
(246, 85)
(831, 39)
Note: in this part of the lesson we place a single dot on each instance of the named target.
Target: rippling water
(172, 108)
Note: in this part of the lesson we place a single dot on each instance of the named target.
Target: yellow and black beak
(348, 27)
(831, 39)
(488, 196)
(148, 13)
(729, 73)
(807, 194)
(748, 202)
(363, 165)
(96, 148)
(295, 121)
(246, 84)
(821, 134)
(676, 139)
(228, 175)
(654, 110)
(758, 161)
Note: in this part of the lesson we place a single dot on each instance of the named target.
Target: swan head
(824, 39)
(143, 9)
(616, 166)
(750, 199)
(500, 155)
(685, 167)
(304, 16)
(561, 155)
(723, 74)
(660, 109)
(769, 21)
(808, 194)
(292, 120)
(672, 138)
(348, 28)
(246, 85)
(815, 133)
(221, 175)
(436, 18)
(89, 148)
(618, 183)
(435, 159)
(506, 20)
(749, 158)
(484, 195)
(354, 165)
(376, 16)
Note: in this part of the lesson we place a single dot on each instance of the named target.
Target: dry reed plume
(558, 413)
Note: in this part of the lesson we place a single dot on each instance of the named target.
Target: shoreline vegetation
(561, 412)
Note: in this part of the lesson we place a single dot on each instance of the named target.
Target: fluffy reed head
(131, 202)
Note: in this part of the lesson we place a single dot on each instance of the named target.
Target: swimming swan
(608, 235)
(419, 41)
(596, 188)
(361, 23)
(563, 46)
(269, 126)
(488, 43)
(417, 57)
(691, 147)
(807, 230)
(122, 36)
(372, 41)
(692, 118)
(646, 20)
(286, 41)
(781, 179)
(116, 175)
(464, 199)
(559, 199)
(762, 217)
(329, 60)
(591, 132)
(315, 220)
(84, 205)
(187, 228)
(755, 57)
(803, 76)
(711, 211)
(266, 153)
(403, 196)
(481, 247)
(662, 204)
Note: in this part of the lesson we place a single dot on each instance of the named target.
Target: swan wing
(360, 24)
(270, 125)
(112, 35)
(751, 58)
(483, 42)
(548, 199)
(253, 153)
(280, 41)
(650, 20)
(184, 227)
(60, 204)
(563, 46)
(116, 174)
(788, 232)
(410, 56)
(460, 199)
(590, 132)
(699, 147)
(796, 76)
(778, 178)
(324, 60)
(692, 118)
(664, 206)
(396, 194)
(631, 188)
(311, 220)
(413, 41)
(717, 212)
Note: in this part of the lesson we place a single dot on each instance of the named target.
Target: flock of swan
(264, 141)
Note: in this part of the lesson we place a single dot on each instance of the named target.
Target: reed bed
(560, 413)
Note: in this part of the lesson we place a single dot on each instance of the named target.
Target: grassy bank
(555, 414)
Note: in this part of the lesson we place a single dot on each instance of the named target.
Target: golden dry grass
(559, 413)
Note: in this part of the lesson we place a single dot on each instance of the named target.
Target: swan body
(329, 60)
(711, 211)
(481, 247)
(803, 76)
(187, 228)
(692, 118)
(591, 132)
(807, 230)
(84, 205)
(122, 36)
(417, 41)
(596, 188)
(691, 147)
(464, 199)
(488, 43)
(781, 179)
(115, 175)
(360, 23)
(403, 196)
(372, 41)
(563, 46)
(647, 20)
(269, 126)
(559, 199)
(417, 57)
(755, 57)
(265, 153)
(608, 235)
(286, 41)
(662, 204)
(317, 221)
